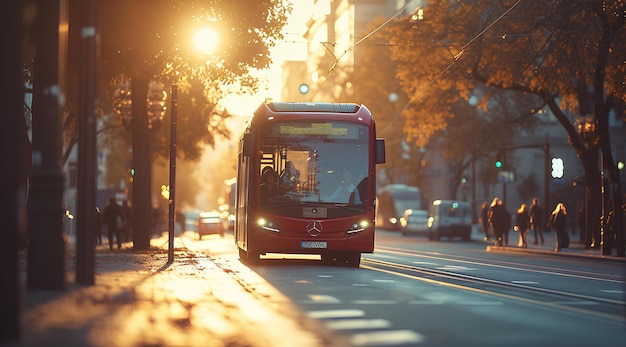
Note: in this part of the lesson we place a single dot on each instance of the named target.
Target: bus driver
(290, 176)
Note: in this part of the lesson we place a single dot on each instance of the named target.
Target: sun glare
(205, 40)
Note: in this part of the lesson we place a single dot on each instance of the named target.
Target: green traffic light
(132, 172)
(303, 88)
(498, 164)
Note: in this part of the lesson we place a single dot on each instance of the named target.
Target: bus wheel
(328, 258)
(249, 257)
(243, 255)
(353, 259)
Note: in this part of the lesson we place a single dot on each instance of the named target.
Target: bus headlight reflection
(268, 225)
(358, 227)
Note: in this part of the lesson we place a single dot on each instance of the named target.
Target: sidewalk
(141, 300)
(575, 249)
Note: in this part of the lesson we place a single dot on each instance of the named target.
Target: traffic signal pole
(500, 161)
(172, 195)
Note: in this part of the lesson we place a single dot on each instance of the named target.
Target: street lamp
(205, 40)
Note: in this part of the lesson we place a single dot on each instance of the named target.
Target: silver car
(414, 221)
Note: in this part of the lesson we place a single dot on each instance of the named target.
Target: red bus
(306, 181)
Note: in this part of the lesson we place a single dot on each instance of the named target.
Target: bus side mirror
(380, 151)
(248, 141)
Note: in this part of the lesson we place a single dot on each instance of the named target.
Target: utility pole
(87, 133)
(13, 137)
(46, 246)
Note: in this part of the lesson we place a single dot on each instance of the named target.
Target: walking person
(536, 220)
(500, 221)
(522, 221)
(113, 217)
(558, 222)
(484, 219)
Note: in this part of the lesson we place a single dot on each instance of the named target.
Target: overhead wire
(455, 58)
(332, 68)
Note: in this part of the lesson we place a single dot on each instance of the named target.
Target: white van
(450, 218)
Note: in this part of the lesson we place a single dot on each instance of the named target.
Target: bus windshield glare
(317, 161)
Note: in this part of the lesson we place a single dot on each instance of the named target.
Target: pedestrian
(484, 219)
(558, 222)
(500, 221)
(128, 221)
(536, 220)
(98, 227)
(113, 218)
(522, 221)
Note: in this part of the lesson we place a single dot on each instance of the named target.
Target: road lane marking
(387, 338)
(358, 324)
(323, 299)
(332, 314)
(375, 302)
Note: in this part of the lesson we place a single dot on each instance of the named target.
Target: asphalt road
(415, 292)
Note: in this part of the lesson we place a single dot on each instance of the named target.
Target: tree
(154, 38)
(369, 83)
(565, 54)
(148, 40)
(469, 131)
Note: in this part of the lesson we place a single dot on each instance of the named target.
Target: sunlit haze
(205, 40)
(205, 179)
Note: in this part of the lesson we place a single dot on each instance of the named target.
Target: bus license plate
(314, 244)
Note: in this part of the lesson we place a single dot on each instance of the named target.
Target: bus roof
(334, 107)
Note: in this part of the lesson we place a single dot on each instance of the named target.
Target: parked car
(210, 223)
(450, 218)
(414, 221)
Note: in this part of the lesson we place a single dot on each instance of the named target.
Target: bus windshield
(318, 161)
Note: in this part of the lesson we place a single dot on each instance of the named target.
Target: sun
(206, 40)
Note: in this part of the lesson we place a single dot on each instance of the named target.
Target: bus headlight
(268, 225)
(358, 227)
